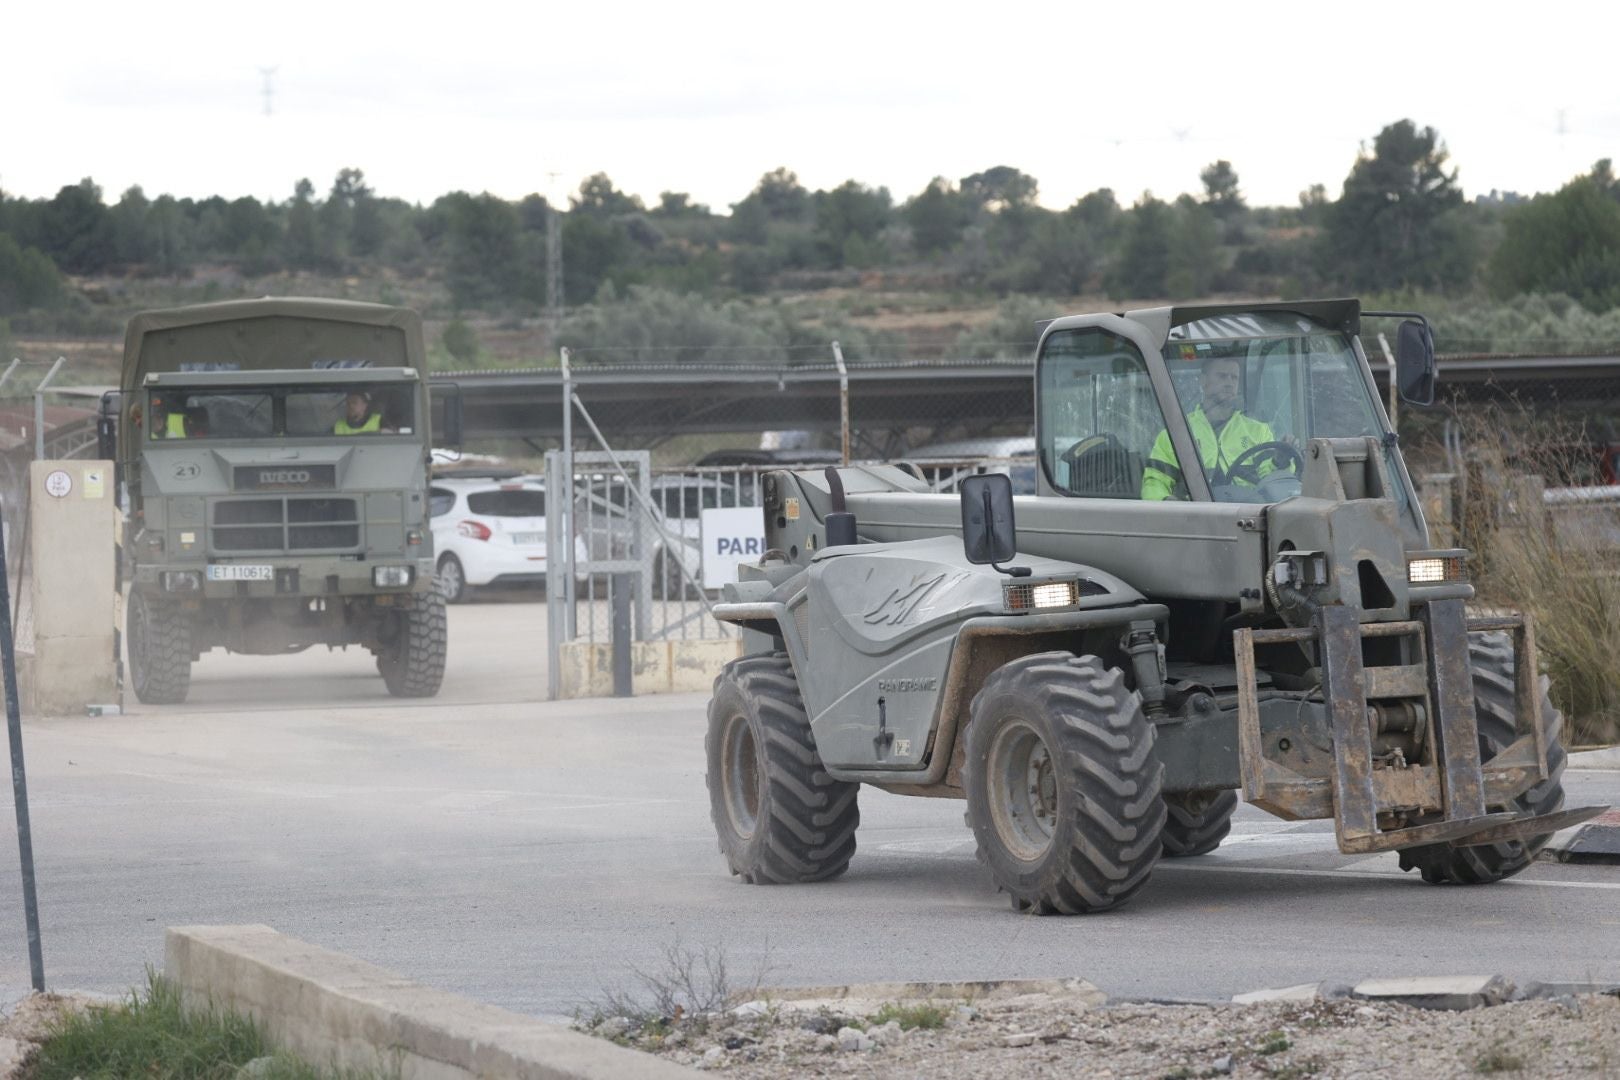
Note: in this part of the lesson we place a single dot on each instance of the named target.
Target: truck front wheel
(779, 815)
(412, 662)
(159, 635)
(1063, 786)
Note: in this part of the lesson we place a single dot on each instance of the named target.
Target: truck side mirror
(1414, 362)
(988, 533)
(107, 426)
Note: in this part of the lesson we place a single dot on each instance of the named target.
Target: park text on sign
(731, 537)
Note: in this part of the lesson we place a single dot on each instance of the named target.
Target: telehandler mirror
(107, 426)
(988, 533)
(1414, 362)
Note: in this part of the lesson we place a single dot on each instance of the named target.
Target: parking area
(529, 853)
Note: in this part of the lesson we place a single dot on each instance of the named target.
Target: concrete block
(71, 532)
(585, 668)
(1455, 992)
(694, 663)
(1302, 992)
(332, 1009)
(1606, 758)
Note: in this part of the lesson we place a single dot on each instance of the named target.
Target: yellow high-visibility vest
(343, 427)
(1217, 451)
(176, 427)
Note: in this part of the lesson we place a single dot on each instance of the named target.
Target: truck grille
(285, 525)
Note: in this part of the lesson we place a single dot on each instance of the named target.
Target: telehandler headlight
(1051, 594)
(391, 577)
(1435, 569)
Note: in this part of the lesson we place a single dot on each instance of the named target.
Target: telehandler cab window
(1099, 415)
(1256, 389)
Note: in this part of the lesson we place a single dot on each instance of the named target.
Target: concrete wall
(334, 1010)
(656, 667)
(72, 524)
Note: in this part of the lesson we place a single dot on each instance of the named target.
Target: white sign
(731, 537)
(58, 484)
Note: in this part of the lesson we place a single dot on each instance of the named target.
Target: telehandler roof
(1342, 314)
(274, 333)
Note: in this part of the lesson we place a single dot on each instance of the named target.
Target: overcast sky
(703, 98)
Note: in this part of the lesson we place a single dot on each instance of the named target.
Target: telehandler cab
(1223, 583)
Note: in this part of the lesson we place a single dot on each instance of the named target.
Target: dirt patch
(26, 1024)
(1045, 1037)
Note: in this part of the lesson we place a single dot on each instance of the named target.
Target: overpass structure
(639, 405)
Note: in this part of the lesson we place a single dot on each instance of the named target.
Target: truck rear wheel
(412, 664)
(1491, 656)
(1063, 786)
(1197, 822)
(779, 815)
(159, 635)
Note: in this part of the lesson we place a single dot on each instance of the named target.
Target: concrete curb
(1595, 842)
(1607, 758)
(985, 990)
(332, 1009)
(1448, 992)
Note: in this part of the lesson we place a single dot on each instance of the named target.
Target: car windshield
(295, 412)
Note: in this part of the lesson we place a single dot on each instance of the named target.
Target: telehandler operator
(1219, 429)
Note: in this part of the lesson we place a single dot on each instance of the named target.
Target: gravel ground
(26, 1023)
(1044, 1037)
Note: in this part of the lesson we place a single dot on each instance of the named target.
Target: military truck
(1223, 583)
(275, 454)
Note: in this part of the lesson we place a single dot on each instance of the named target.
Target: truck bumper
(288, 578)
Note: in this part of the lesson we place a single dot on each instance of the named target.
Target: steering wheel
(1248, 471)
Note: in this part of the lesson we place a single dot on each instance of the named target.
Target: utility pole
(268, 88)
(554, 263)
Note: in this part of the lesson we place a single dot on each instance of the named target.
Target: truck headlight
(391, 577)
(1438, 568)
(1024, 596)
(181, 581)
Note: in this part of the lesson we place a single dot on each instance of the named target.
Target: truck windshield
(271, 412)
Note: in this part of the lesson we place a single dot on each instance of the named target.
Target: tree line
(1399, 223)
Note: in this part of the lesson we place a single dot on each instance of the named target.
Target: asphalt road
(531, 854)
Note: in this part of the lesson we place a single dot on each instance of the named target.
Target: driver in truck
(358, 416)
(1219, 429)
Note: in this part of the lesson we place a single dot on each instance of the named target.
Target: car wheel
(451, 580)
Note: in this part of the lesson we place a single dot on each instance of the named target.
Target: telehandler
(1223, 583)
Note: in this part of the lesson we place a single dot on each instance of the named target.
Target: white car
(489, 528)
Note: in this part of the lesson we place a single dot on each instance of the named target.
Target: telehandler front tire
(1197, 822)
(1491, 657)
(159, 635)
(780, 817)
(412, 664)
(1062, 784)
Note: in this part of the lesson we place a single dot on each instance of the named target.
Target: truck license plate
(237, 572)
(528, 538)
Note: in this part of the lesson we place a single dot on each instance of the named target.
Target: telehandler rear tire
(1062, 784)
(159, 636)
(412, 664)
(1491, 656)
(1197, 822)
(780, 817)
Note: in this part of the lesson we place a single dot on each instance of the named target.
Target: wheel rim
(1022, 790)
(740, 776)
(450, 581)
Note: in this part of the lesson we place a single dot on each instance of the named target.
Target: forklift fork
(1380, 801)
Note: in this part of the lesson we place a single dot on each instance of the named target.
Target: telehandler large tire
(780, 817)
(412, 664)
(1491, 656)
(1063, 786)
(159, 634)
(1197, 822)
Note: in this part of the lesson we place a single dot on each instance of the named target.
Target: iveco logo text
(283, 476)
(900, 686)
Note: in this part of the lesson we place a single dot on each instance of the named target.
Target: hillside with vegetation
(961, 268)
